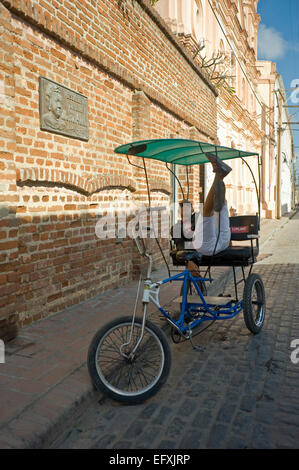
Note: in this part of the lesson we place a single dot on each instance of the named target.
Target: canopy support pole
(187, 176)
(172, 172)
(133, 164)
(151, 218)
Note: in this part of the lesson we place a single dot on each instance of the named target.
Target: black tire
(254, 301)
(129, 380)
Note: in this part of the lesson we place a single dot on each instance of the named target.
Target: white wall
(286, 154)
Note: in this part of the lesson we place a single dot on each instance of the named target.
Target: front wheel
(125, 376)
(254, 300)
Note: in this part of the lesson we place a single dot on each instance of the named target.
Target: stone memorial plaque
(62, 110)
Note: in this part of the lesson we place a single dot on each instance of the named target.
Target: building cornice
(238, 113)
(229, 10)
(154, 15)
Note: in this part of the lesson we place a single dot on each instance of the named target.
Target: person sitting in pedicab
(208, 229)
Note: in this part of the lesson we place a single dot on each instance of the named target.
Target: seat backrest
(243, 226)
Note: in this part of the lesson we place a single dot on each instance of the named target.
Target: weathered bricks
(139, 83)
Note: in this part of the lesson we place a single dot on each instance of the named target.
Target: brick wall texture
(140, 84)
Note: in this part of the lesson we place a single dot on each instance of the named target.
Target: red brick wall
(139, 84)
(8, 196)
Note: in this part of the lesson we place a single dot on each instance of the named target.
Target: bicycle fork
(145, 302)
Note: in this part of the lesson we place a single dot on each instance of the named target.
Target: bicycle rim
(257, 302)
(129, 377)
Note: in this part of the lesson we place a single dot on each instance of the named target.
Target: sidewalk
(45, 378)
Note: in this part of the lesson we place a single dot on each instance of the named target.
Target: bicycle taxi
(129, 358)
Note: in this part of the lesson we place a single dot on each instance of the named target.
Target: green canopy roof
(179, 151)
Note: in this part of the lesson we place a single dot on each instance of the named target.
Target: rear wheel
(125, 376)
(254, 300)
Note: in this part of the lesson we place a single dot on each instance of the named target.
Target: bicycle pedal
(196, 348)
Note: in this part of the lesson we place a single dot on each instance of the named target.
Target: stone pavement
(45, 384)
(240, 392)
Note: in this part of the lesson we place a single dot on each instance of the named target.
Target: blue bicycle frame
(191, 313)
(194, 312)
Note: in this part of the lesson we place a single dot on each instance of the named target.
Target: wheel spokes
(130, 375)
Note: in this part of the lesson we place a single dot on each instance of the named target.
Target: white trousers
(207, 231)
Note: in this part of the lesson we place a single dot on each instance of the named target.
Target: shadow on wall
(8, 273)
(55, 261)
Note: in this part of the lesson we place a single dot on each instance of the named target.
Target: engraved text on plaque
(62, 110)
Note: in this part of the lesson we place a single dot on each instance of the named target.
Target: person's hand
(187, 229)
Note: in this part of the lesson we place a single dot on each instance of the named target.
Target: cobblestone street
(149, 227)
(240, 392)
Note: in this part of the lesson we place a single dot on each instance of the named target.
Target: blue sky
(279, 41)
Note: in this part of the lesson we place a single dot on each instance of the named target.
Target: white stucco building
(247, 118)
(228, 29)
(284, 151)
